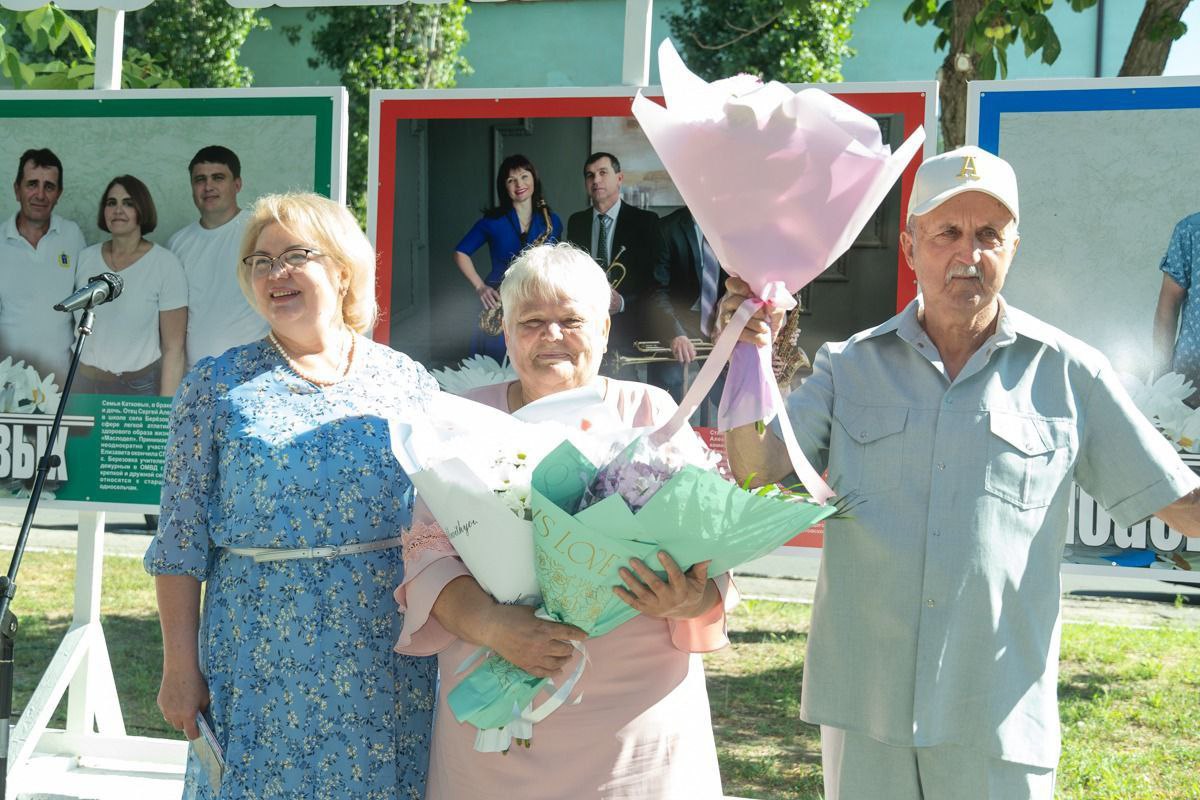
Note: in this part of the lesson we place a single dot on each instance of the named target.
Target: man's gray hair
(554, 272)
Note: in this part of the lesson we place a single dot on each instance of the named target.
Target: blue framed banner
(1107, 169)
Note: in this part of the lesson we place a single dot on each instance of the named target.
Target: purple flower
(640, 470)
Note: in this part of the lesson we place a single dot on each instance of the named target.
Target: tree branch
(743, 33)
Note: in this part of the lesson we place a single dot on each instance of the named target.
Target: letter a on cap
(968, 169)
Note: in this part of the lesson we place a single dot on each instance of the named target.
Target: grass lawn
(1130, 699)
(1129, 703)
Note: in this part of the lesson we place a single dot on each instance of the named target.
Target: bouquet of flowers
(472, 467)
(798, 177)
(590, 521)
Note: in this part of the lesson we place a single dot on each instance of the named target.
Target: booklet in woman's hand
(209, 752)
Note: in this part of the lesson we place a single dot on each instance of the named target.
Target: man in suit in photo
(687, 280)
(614, 231)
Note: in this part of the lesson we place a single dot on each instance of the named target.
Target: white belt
(260, 554)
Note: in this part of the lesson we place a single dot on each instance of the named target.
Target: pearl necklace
(344, 360)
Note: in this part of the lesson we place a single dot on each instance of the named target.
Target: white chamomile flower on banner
(1162, 402)
(42, 393)
(14, 387)
(473, 372)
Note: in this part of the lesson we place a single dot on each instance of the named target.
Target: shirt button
(941, 465)
(937, 533)
(929, 603)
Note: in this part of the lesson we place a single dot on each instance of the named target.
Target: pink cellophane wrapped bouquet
(781, 183)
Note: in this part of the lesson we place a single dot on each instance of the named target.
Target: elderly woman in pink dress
(643, 728)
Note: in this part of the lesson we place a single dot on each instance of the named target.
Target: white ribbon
(520, 726)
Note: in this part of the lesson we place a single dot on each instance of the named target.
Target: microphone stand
(8, 583)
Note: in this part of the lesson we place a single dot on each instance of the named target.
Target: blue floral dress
(308, 698)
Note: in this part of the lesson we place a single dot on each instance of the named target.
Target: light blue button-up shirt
(936, 617)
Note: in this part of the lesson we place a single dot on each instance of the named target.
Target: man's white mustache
(962, 271)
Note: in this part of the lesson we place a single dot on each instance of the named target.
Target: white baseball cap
(966, 169)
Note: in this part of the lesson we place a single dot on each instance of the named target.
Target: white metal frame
(81, 670)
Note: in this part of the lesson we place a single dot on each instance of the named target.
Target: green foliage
(42, 31)
(27, 38)
(1166, 27)
(796, 41)
(413, 46)
(199, 40)
(138, 71)
(998, 24)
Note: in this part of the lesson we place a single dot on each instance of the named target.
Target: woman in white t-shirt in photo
(137, 342)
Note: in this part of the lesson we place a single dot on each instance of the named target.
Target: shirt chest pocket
(1028, 458)
(871, 461)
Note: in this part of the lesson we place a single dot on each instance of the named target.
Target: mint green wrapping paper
(696, 516)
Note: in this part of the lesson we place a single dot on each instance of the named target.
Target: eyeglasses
(289, 260)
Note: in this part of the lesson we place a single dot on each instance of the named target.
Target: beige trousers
(858, 767)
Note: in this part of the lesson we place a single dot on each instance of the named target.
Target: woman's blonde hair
(551, 272)
(332, 230)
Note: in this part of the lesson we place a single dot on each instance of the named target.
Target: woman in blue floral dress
(281, 494)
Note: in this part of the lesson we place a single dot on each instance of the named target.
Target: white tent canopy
(110, 29)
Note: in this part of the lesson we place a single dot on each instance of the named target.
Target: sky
(1185, 53)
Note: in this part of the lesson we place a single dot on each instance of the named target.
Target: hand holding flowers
(683, 595)
(763, 326)
(540, 647)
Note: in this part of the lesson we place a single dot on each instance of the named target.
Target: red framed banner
(433, 161)
(432, 164)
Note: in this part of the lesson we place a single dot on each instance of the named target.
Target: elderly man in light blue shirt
(933, 655)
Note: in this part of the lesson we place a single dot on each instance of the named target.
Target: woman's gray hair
(553, 272)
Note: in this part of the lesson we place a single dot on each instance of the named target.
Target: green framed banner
(111, 447)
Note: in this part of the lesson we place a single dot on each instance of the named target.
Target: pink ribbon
(774, 295)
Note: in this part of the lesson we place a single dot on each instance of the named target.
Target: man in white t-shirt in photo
(219, 316)
(38, 252)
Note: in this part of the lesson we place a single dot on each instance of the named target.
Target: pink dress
(643, 729)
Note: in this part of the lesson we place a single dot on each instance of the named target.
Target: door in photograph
(446, 179)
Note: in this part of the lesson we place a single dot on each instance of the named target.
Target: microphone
(99, 290)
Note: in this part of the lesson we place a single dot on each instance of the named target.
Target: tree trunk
(1147, 56)
(956, 72)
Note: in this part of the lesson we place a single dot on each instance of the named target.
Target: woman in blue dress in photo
(281, 495)
(522, 218)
